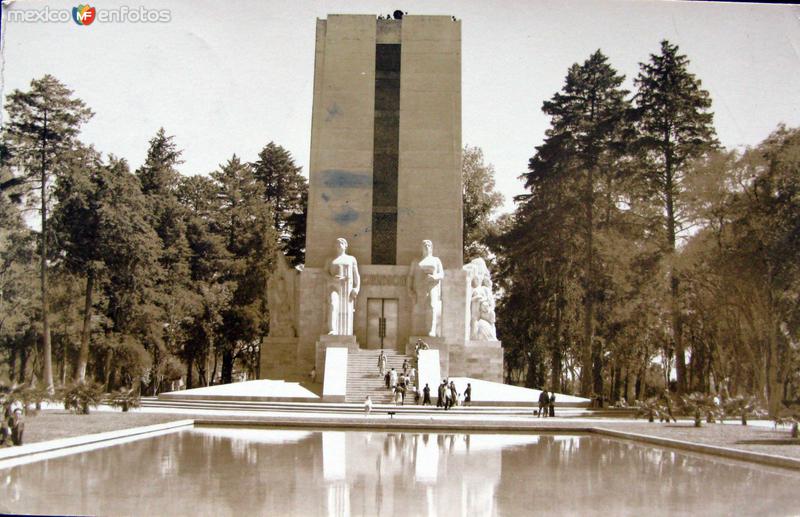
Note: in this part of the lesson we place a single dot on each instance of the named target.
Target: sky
(228, 77)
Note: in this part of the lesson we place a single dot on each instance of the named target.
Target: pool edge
(89, 439)
(403, 425)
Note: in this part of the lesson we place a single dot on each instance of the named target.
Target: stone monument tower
(385, 199)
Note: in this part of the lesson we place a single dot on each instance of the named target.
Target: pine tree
(287, 190)
(43, 125)
(480, 200)
(582, 146)
(675, 126)
(160, 180)
(245, 220)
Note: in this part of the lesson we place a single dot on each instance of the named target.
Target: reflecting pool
(237, 471)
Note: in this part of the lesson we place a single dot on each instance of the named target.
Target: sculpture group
(424, 283)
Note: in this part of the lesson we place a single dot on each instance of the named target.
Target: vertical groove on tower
(385, 153)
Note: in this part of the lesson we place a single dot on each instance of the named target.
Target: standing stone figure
(343, 285)
(280, 300)
(425, 287)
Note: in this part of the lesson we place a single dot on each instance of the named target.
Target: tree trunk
(189, 373)
(630, 385)
(109, 355)
(615, 386)
(48, 364)
(588, 378)
(555, 372)
(677, 337)
(23, 364)
(214, 369)
(227, 367)
(83, 356)
(773, 383)
(12, 362)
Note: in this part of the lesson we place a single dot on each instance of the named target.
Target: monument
(385, 189)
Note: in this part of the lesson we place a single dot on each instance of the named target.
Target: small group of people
(547, 404)
(449, 395)
(401, 383)
(12, 426)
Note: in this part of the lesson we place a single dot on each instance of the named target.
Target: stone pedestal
(477, 359)
(434, 343)
(326, 341)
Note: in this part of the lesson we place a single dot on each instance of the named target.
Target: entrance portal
(382, 323)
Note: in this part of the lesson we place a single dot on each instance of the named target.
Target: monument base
(478, 360)
(326, 341)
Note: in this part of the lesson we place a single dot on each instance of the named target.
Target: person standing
(382, 363)
(393, 378)
(468, 395)
(426, 395)
(405, 366)
(440, 399)
(552, 404)
(367, 406)
(387, 379)
(453, 394)
(544, 402)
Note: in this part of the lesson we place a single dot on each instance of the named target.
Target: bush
(699, 405)
(81, 396)
(652, 408)
(790, 415)
(31, 398)
(743, 406)
(125, 399)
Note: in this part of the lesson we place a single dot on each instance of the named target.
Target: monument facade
(384, 261)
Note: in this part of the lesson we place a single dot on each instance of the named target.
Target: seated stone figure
(482, 304)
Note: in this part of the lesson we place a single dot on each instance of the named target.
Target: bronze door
(382, 323)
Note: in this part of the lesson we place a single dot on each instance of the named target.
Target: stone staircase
(364, 379)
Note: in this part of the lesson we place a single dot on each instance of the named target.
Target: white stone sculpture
(425, 287)
(482, 304)
(280, 300)
(343, 286)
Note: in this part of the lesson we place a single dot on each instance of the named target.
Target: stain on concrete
(345, 216)
(338, 178)
(333, 112)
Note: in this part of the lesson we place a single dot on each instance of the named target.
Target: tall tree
(245, 221)
(675, 127)
(588, 120)
(480, 200)
(160, 179)
(207, 262)
(287, 190)
(43, 124)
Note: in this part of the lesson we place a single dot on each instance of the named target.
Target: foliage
(675, 126)
(652, 408)
(480, 200)
(699, 405)
(286, 190)
(125, 399)
(79, 396)
(789, 416)
(742, 406)
(42, 126)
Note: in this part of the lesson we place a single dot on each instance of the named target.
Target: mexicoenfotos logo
(84, 14)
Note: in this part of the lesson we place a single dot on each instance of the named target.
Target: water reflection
(227, 471)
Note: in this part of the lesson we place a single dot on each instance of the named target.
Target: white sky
(228, 76)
